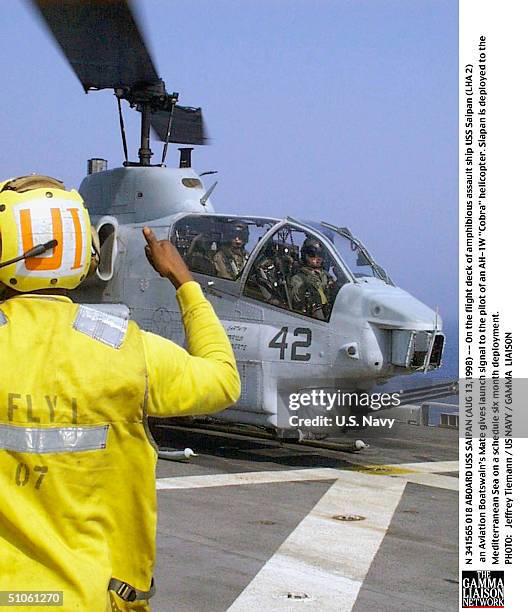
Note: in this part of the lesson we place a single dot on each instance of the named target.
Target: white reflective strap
(52, 439)
(102, 326)
(3, 319)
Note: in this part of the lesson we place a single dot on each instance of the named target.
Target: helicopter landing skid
(250, 431)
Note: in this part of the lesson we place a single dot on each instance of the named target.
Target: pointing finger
(150, 237)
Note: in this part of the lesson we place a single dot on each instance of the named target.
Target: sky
(337, 110)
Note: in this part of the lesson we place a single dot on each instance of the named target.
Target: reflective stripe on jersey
(107, 328)
(52, 439)
(3, 319)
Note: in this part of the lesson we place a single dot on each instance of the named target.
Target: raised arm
(204, 379)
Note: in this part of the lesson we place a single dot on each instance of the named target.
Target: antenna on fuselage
(207, 194)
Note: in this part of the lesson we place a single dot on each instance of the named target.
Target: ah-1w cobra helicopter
(363, 332)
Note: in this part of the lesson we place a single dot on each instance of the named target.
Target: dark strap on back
(128, 593)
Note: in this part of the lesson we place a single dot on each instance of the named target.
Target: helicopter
(363, 332)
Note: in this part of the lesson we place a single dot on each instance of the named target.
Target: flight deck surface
(253, 524)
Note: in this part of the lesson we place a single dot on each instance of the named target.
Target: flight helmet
(38, 215)
(310, 248)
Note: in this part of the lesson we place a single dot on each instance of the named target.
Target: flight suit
(77, 462)
(229, 262)
(311, 289)
(269, 275)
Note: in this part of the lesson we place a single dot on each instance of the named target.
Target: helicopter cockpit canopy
(269, 259)
(295, 270)
(356, 257)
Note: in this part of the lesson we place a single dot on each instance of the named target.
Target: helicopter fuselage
(375, 330)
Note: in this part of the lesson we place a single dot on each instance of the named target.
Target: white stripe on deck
(244, 478)
(419, 473)
(431, 467)
(323, 558)
(433, 480)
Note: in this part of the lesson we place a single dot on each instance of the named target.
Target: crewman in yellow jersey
(77, 382)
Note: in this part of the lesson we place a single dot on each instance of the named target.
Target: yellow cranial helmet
(35, 210)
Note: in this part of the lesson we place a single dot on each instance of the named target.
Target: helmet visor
(314, 251)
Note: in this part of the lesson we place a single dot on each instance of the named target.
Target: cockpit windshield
(218, 245)
(354, 254)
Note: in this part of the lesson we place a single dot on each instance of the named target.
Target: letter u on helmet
(35, 210)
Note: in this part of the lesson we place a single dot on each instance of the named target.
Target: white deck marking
(419, 473)
(324, 558)
(431, 467)
(433, 480)
(243, 478)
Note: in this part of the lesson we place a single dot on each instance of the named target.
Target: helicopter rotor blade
(187, 125)
(101, 40)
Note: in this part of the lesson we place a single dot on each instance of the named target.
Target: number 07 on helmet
(33, 211)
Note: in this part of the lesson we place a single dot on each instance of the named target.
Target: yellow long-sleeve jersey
(77, 463)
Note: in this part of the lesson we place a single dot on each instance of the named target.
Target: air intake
(96, 164)
(185, 157)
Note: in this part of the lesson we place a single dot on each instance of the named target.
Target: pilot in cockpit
(231, 257)
(313, 288)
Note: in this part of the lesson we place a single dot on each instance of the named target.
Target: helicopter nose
(397, 308)
(401, 331)
(387, 306)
